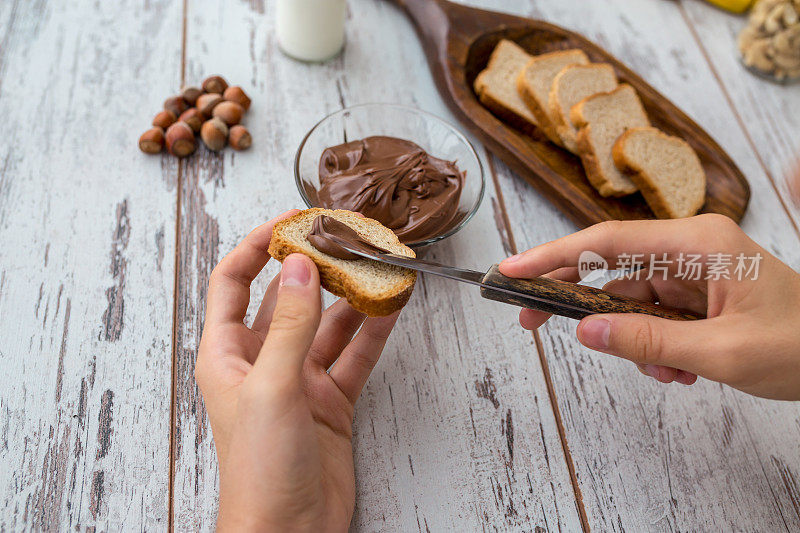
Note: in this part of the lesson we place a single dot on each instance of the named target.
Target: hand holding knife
(542, 294)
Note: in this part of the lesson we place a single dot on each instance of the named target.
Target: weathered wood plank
(769, 113)
(86, 270)
(648, 456)
(451, 432)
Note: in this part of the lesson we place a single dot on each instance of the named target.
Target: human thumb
(649, 340)
(294, 321)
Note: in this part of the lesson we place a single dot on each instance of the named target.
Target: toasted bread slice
(496, 86)
(375, 289)
(601, 119)
(571, 85)
(665, 168)
(535, 80)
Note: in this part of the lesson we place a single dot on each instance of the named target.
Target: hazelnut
(180, 140)
(230, 112)
(152, 141)
(190, 94)
(215, 84)
(240, 138)
(236, 94)
(193, 118)
(176, 104)
(207, 102)
(164, 119)
(214, 134)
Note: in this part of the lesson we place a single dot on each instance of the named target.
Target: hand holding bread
(278, 409)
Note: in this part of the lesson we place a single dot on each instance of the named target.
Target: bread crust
(653, 195)
(497, 107)
(508, 115)
(591, 166)
(333, 277)
(542, 118)
(540, 109)
(560, 126)
(588, 152)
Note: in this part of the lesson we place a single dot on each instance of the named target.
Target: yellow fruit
(734, 6)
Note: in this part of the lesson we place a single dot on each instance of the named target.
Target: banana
(734, 6)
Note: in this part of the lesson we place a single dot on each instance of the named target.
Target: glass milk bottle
(310, 30)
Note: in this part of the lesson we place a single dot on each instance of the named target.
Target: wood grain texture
(564, 298)
(450, 432)
(85, 266)
(651, 457)
(767, 112)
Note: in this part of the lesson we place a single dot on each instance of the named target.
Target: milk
(310, 30)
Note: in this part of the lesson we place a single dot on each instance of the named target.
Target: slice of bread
(535, 80)
(375, 289)
(496, 86)
(571, 85)
(601, 119)
(665, 168)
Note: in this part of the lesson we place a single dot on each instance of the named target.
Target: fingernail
(595, 333)
(651, 370)
(512, 259)
(295, 272)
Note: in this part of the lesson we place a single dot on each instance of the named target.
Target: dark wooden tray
(458, 41)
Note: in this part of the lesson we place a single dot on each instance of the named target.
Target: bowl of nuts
(770, 43)
(214, 111)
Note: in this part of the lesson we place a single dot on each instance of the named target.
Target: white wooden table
(468, 422)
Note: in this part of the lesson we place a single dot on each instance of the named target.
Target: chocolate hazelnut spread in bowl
(406, 168)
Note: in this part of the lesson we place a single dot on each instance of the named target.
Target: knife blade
(542, 294)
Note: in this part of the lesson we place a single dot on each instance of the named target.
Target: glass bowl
(434, 135)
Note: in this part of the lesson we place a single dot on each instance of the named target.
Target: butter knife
(542, 294)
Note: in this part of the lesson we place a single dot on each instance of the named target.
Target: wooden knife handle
(570, 299)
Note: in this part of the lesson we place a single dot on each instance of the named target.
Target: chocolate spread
(395, 182)
(326, 232)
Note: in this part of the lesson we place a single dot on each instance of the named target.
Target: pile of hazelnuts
(214, 111)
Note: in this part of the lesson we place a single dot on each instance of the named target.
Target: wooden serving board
(458, 41)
